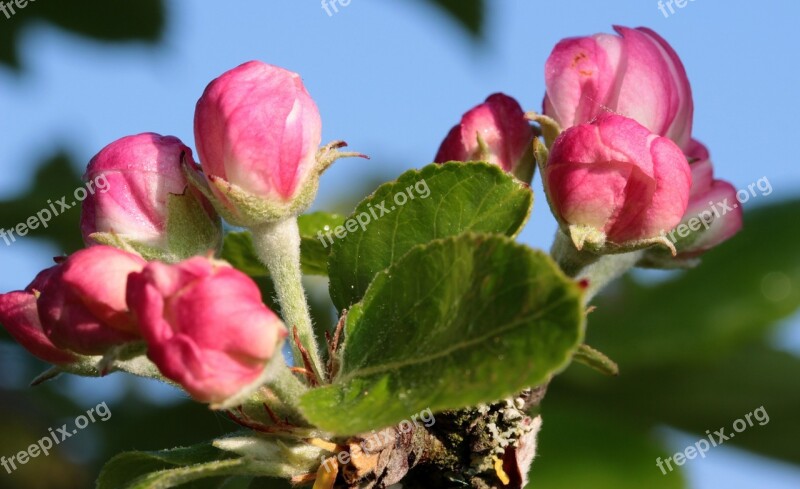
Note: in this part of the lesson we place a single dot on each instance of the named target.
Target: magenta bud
(257, 132)
(495, 131)
(714, 214)
(614, 182)
(206, 326)
(636, 74)
(140, 200)
(19, 315)
(82, 306)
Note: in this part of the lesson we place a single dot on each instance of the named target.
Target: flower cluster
(624, 170)
(148, 276)
(149, 295)
(619, 164)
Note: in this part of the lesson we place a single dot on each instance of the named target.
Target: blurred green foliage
(54, 179)
(103, 20)
(469, 13)
(695, 353)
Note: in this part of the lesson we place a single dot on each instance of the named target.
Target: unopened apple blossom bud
(614, 184)
(82, 306)
(145, 203)
(714, 214)
(495, 131)
(205, 325)
(20, 317)
(636, 74)
(257, 132)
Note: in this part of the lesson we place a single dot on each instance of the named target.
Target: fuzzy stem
(570, 259)
(606, 269)
(277, 245)
(597, 270)
(285, 384)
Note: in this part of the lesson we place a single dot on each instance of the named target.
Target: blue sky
(391, 77)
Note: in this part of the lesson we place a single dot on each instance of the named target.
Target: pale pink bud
(139, 198)
(205, 325)
(618, 178)
(714, 214)
(257, 132)
(82, 306)
(19, 315)
(636, 74)
(495, 131)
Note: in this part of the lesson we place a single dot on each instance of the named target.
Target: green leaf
(190, 230)
(273, 456)
(460, 197)
(314, 252)
(596, 360)
(255, 457)
(740, 291)
(238, 250)
(454, 323)
(238, 246)
(469, 13)
(164, 469)
(692, 349)
(178, 477)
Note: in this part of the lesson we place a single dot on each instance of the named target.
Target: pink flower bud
(82, 306)
(618, 178)
(714, 214)
(257, 132)
(206, 326)
(496, 132)
(20, 317)
(141, 199)
(637, 75)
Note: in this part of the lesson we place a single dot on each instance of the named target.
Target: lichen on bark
(486, 447)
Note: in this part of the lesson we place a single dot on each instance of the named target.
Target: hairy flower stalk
(571, 260)
(285, 385)
(258, 133)
(596, 270)
(606, 270)
(278, 247)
